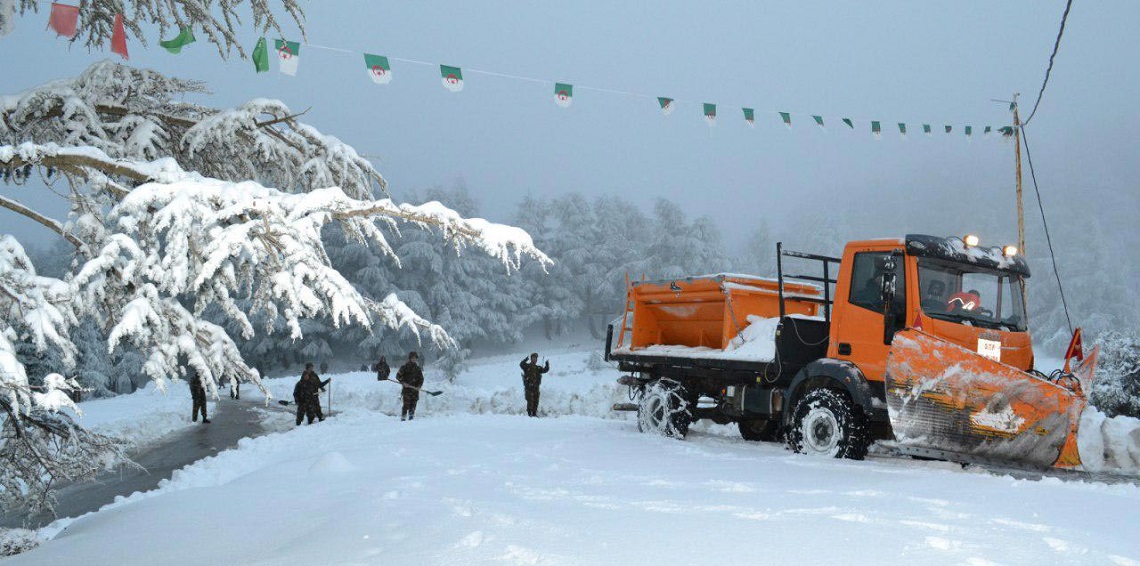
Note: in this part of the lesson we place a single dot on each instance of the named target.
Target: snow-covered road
(364, 488)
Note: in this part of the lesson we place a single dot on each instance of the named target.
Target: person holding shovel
(306, 394)
(412, 378)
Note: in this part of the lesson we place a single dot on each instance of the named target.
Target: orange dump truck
(921, 340)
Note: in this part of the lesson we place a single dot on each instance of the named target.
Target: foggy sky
(891, 61)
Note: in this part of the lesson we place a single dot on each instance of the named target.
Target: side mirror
(888, 293)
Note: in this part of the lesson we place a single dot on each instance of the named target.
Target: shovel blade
(946, 399)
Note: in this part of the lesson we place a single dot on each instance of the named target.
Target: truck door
(859, 324)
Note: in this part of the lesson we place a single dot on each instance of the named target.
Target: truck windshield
(970, 294)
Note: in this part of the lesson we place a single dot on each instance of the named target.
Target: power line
(1056, 46)
(1048, 239)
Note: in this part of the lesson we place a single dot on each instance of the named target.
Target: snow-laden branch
(137, 114)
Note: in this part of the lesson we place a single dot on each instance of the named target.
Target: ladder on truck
(627, 315)
(826, 279)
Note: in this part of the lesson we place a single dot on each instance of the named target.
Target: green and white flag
(1006, 131)
(750, 117)
(564, 94)
(926, 129)
(849, 123)
(452, 78)
(288, 56)
(902, 129)
(987, 131)
(710, 114)
(261, 56)
(948, 128)
(969, 130)
(787, 118)
(876, 130)
(819, 122)
(185, 37)
(666, 105)
(378, 68)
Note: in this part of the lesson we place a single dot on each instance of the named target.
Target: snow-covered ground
(142, 416)
(460, 485)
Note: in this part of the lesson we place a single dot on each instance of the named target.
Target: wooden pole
(1017, 156)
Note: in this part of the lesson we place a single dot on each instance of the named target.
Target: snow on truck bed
(755, 343)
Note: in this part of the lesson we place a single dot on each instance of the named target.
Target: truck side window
(867, 282)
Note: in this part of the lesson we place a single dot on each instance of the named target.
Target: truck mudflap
(942, 398)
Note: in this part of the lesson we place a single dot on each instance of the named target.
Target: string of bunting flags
(64, 21)
(379, 69)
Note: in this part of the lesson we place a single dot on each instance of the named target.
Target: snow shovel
(945, 401)
(432, 393)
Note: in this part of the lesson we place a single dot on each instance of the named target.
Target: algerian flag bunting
(750, 117)
(948, 128)
(288, 56)
(902, 129)
(666, 105)
(564, 94)
(185, 37)
(987, 131)
(876, 130)
(819, 122)
(969, 130)
(378, 68)
(710, 114)
(452, 78)
(261, 56)
(849, 123)
(926, 129)
(787, 118)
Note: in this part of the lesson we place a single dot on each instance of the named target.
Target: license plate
(989, 349)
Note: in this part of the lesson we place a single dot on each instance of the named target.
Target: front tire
(664, 409)
(827, 423)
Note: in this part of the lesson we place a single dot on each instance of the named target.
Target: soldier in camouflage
(532, 379)
(412, 378)
(306, 394)
(198, 395)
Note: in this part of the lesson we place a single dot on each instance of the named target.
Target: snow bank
(142, 416)
(475, 489)
(1108, 445)
(575, 385)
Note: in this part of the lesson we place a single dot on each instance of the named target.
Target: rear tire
(664, 409)
(827, 423)
(766, 430)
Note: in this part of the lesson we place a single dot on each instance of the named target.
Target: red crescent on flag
(285, 51)
(452, 79)
(378, 70)
(562, 95)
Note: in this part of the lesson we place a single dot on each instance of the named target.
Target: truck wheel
(663, 409)
(759, 429)
(827, 423)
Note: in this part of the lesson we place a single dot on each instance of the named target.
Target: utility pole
(1017, 156)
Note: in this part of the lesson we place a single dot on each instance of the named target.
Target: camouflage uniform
(410, 375)
(306, 396)
(532, 379)
(382, 369)
(198, 394)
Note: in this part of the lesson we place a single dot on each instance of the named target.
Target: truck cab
(966, 295)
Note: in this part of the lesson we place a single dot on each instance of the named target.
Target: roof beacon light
(971, 240)
(1009, 251)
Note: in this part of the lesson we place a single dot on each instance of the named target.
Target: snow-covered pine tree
(1116, 390)
(216, 19)
(158, 246)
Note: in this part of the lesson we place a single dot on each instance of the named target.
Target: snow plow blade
(945, 401)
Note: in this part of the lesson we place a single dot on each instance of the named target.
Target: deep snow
(458, 486)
